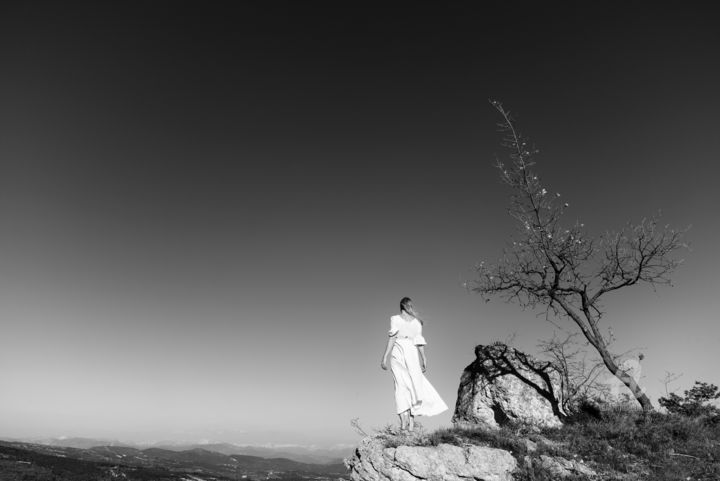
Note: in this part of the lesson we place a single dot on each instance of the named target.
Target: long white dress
(411, 385)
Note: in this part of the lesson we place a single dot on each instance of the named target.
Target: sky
(209, 213)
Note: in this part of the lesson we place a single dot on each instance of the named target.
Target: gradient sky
(208, 215)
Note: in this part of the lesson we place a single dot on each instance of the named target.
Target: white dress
(411, 385)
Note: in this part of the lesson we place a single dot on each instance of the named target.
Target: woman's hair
(407, 306)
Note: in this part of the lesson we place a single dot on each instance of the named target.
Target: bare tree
(578, 374)
(670, 377)
(563, 269)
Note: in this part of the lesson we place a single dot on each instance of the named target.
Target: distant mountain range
(80, 443)
(301, 454)
(295, 453)
(44, 461)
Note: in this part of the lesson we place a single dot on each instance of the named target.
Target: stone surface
(530, 446)
(373, 461)
(496, 389)
(563, 468)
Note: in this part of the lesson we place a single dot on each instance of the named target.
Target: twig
(684, 455)
(355, 423)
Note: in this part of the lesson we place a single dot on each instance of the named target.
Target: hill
(38, 461)
(301, 454)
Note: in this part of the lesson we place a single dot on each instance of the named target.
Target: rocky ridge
(399, 458)
(502, 386)
(373, 461)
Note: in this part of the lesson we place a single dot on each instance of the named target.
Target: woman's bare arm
(388, 348)
(423, 359)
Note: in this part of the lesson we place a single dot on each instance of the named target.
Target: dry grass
(624, 445)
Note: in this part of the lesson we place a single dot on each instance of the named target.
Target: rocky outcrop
(505, 385)
(373, 461)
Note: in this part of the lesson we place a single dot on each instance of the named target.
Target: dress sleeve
(393, 326)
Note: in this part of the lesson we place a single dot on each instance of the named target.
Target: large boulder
(373, 461)
(505, 385)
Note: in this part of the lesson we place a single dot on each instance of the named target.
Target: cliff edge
(373, 460)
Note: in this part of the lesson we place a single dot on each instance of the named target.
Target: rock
(373, 461)
(563, 468)
(505, 385)
(530, 446)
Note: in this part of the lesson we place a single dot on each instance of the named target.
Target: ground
(624, 444)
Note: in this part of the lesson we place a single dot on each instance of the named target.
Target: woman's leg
(410, 421)
(404, 420)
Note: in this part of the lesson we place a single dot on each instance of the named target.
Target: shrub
(694, 402)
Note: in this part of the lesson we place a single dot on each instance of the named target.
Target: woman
(414, 395)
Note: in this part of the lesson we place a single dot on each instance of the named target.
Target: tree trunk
(626, 379)
(596, 340)
(556, 406)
